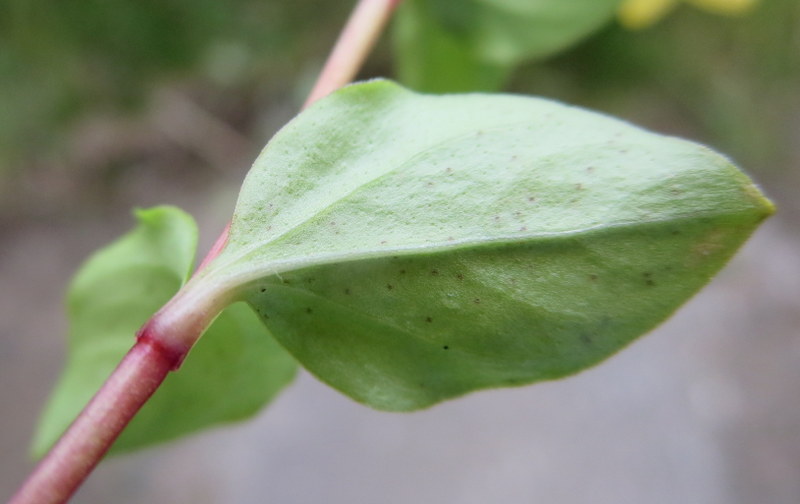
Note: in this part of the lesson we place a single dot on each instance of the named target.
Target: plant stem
(80, 449)
(355, 42)
(155, 353)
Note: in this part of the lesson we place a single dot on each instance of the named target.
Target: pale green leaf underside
(470, 45)
(234, 370)
(408, 248)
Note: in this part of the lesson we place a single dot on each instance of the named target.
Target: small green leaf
(234, 369)
(473, 45)
(409, 248)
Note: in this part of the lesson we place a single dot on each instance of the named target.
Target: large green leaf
(234, 370)
(471, 45)
(408, 248)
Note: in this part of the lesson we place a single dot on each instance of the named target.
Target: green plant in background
(405, 248)
(60, 61)
(447, 46)
(643, 13)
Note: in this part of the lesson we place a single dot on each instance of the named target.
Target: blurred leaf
(60, 61)
(638, 14)
(410, 248)
(445, 46)
(233, 371)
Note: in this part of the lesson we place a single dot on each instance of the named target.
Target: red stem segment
(89, 437)
(355, 42)
(146, 365)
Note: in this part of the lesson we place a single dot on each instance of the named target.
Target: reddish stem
(222, 240)
(166, 339)
(90, 436)
(355, 42)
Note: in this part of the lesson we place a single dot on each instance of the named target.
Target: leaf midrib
(251, 249)
(287, 265)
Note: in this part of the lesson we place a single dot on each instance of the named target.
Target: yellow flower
(637, 14)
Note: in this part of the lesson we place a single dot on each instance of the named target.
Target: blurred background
(109, 105)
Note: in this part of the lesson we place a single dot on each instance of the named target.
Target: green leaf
(473, 45)
(234, 370)
(410, 248)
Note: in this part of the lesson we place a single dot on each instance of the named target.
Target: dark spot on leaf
(286, 281)
(428, 319)
(434, 272)
(347, 291)
(460, 276)
(592, 277)
(389, 286)
(402, 272)
(531, 199)
(647, 274)
(263, 289)
(676, 232)
(650, 283)
(445, 347)
(309, 310)
(476, 300)
(383, 242)
(586, 339)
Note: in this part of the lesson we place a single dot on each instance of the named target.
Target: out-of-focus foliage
(59, 60)
(473, 45)
(643, 13)
(732, 80)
